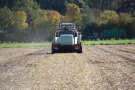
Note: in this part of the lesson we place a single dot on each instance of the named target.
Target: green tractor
(67, 38)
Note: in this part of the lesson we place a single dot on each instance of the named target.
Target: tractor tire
(53, 51)
(80, 51)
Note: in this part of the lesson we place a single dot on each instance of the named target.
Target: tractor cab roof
(68, 25)
(60, 32)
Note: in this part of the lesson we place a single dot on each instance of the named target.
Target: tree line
(36, 20)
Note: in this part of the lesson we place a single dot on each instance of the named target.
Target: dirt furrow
(97, 68)
(113, 68)
(127, 57)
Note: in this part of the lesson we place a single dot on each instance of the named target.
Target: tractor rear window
(68, 26)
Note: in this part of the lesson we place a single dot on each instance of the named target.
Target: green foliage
(73, 13)
(80, 3)
(127, 22)
(6, 19)
(53, 17)
(105, 4)
(109, 20)
(90, 29)
(108, 16)
(30, 7)
(36, 20)
(20, 18)
(125, 18)
(56, 5)
(87, 16)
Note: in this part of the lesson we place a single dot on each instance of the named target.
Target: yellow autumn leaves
(110, 16)
(21, 18)
(73, 13)
(107, 16)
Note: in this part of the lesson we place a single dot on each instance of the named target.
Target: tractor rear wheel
(53, 51)
(80, 51)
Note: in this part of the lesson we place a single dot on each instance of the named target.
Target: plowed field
(99, 67)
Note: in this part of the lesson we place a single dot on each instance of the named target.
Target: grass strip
(6, 45)
(109, 42)
(99, 42)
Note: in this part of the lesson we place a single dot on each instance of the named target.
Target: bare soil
(106, 67)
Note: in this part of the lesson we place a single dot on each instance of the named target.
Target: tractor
(66, 39)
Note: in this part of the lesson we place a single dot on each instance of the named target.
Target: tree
(53, 17)
(20, 18)
(48, 20)
(87, 16)
(6, 19)
(6, 23)
(64, 19)
(30, 7)
(90, 28)
(108, 16)
(57, 5)
(105, 4)
(80, 3)
(42, 28)
(127, 22)
(7, 3)
(128, 6)
(73, 13)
